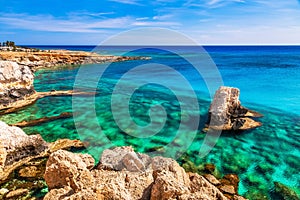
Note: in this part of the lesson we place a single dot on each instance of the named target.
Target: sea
(160, 105)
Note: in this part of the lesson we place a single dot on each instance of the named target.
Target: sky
(89, 22)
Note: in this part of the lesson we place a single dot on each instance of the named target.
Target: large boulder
(227, 113)
(15, 145)
(16, 82)
(67, 169)
(123, 174)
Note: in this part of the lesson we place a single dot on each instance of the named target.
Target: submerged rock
(285, 192)
(16, 82)
(227, 113)
(124, 174)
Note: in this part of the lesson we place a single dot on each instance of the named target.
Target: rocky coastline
(17, 67)
(31, 168)
(51, 58)
(121, 173)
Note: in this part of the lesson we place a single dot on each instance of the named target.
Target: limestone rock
(202, 187)
(29, 172)
(67, 169)
(123, 158)
(16, 82)
(16, 145)
(65, 144)
(227, 113)
(16, 193)
(166, 186)
(228, 189)
(60, 193)
(213, 180)
(123, 175)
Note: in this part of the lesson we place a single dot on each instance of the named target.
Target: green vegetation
(8, 44)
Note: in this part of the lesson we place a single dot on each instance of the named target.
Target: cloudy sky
(205, 21)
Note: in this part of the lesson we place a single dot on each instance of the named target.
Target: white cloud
(51, 24)
(77, 24)
(131, 2)
(163, 17)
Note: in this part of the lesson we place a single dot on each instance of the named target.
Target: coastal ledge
(29, 100)
(52, 58)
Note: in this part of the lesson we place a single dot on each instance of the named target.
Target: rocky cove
(120, 174)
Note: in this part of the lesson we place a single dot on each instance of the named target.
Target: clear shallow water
(269, 81)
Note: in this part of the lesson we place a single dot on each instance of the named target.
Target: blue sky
(205, 21)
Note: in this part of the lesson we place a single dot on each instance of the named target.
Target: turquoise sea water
(269, 80)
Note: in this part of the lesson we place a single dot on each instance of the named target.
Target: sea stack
(226, 112)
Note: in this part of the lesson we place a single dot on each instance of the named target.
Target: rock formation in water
(227, 113)
(124, 174)
(16, 82)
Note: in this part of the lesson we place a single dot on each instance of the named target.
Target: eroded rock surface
(16, 82)
(23, 161)
(51, 58)
(124, 174)
(227, 113)
(16, 145)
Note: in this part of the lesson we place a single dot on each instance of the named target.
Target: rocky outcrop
(124, 174)
(16, 82)
(23, 161)
(15, 145)
(51, 58)
(227, 113)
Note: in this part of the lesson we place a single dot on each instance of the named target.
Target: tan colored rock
(67, 169)
(236, 197)
(226, 112)
(65, 144)
(166, 186)
(227, 189)
(123, 158)
(29, 172)
(123, 184)
(60, 193)
(16, 193)
(160, 164)
(231, 179)
(213, 180)
(17, 145)
(16, 82)
(201, 186)
(67, 175)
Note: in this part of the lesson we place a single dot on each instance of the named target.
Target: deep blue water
(268, 77)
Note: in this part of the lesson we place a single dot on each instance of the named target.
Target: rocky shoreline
(52, 58)
(120, 174)
(16, 73)
(31, 168)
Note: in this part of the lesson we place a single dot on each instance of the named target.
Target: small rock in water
(227, 113)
